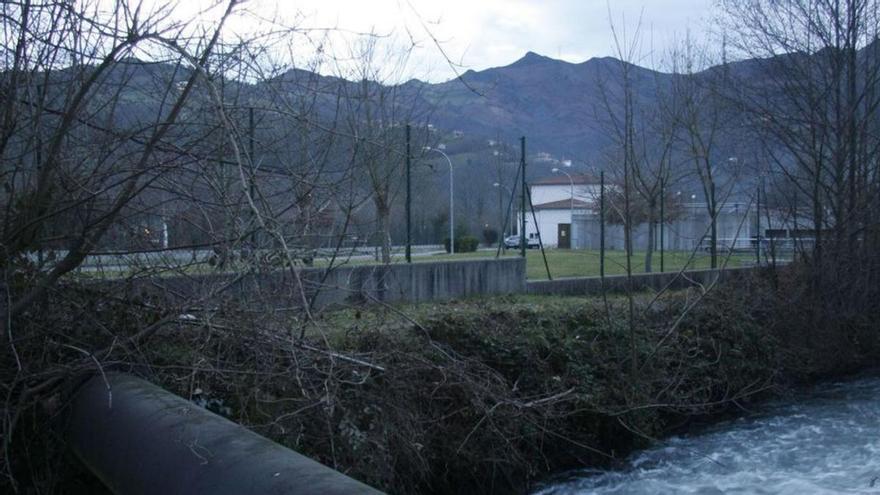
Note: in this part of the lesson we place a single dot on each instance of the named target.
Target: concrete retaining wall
(345, 285)
(643, 281)
(417, 282)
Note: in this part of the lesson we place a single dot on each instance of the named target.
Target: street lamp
(571, 197)
(502, 186)
(451, 200)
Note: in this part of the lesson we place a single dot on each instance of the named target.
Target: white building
(567, 217)
(556, 200)
(689, 228)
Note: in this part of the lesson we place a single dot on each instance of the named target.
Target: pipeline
(138, 438)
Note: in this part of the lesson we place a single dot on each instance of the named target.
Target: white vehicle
(512, 242)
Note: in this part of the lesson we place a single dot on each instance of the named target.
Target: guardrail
(173, 257)
(140, 439)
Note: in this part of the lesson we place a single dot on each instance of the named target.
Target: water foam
(825, 442)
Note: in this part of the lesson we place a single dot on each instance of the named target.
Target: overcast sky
(478, 34)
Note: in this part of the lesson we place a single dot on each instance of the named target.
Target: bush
(463, 244)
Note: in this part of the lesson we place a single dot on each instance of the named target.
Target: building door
(564, 236)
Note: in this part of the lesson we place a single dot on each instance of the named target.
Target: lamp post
(571, 196)
(451, 200)
(512, 224)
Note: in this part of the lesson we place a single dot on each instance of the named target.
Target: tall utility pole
(602, 224)
(522, 163)
(408, 200)
(662, 221)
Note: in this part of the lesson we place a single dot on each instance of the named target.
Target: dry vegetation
(470, 396)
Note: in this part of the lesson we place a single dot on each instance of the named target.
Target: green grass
(580, 263)
(584, 263)
(563, 263)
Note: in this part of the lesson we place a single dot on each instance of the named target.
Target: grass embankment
(585, 263)
(563, 263)
(491, 395)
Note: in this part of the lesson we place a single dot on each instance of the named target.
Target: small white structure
(557, 199)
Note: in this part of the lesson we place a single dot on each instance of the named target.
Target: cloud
(478, 34)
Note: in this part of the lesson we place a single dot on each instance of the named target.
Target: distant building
(688, 228)
(566, 216)
(736, 224)
(556, 200)
(543, 156)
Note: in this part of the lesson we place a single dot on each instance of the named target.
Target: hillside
(557, 104)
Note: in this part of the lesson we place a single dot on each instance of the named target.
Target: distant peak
(531, 58)
(600, 61)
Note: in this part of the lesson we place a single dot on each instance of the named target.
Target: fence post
(408, 200)
(602, 224)
(523, 242)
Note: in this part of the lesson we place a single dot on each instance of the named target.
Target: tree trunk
(652, 229)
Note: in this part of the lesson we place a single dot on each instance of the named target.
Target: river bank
(487, 395)
(493, 395)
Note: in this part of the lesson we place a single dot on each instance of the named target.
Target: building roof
(562, 180)
(562, 204)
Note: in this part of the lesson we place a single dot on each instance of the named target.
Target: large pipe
(141, 439)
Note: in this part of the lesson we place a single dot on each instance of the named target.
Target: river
(823, 441)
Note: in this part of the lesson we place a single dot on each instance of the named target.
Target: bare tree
(377, 109)
(621, 110)
(812, 95)
(700, 120)
(129, 137)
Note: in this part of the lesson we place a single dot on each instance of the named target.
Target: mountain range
(557, 105)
